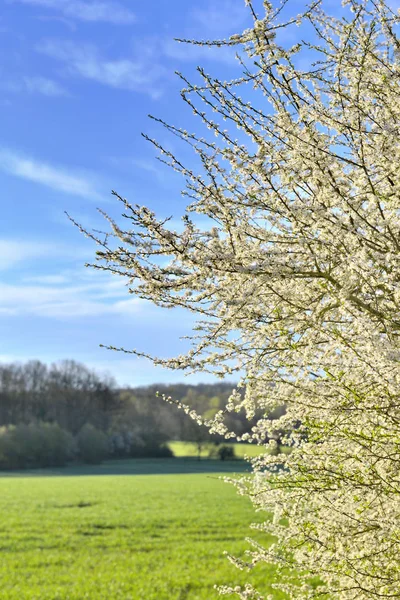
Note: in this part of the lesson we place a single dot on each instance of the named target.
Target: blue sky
(78, 79)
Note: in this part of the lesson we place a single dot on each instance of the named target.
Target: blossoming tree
(296, 282)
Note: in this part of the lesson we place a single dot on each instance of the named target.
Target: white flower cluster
(297, 286)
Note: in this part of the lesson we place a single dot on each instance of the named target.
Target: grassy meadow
(138, 529)
(189, 449)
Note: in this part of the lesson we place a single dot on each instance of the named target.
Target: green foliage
(68, 396)
(205, 399)
(226, 452)
(92, 444)
(35, 445)
(223, 451)
(163, 451)
(136, 421)
(138, 428)
(123, 537)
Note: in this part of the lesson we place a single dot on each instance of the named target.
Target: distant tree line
(50, 415)
(66, 393)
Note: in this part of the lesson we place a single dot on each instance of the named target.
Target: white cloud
(54, 177)
(17, 252)
(14, 252)
(42, 85)
(141, 75)
(34, 85)
(68, 301)
(47, 279)
(94, 11)
(75, 293)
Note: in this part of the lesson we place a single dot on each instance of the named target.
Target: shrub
(92, 444)
(131, 442)
(35, 445)
(47, 445)
(223, 452)
(226, 452)
(8, 449)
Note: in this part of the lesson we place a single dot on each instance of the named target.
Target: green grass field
(86, 533)
(189, 449)
(181, 449)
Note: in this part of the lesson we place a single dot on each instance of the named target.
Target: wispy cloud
(66, 301)
(52, 176)
(25, 253)
(42, 85)
(14, 252)
(74, 293)
(34, 85)
(47, 279)
(95, 11)
(140, 74)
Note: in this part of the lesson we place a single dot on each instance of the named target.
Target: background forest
(66, 412)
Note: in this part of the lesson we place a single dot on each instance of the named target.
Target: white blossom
(296, 285)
